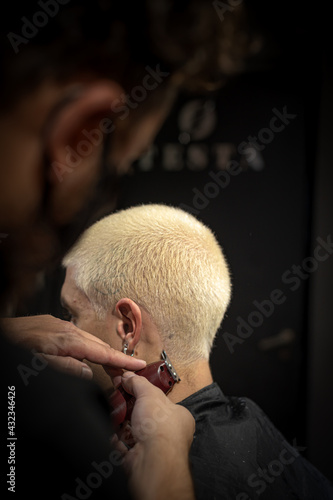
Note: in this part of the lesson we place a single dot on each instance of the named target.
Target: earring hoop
(125, 349)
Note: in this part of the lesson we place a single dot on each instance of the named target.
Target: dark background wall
(267, 216)
(320, 314)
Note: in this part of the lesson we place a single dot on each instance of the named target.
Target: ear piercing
(125, 349)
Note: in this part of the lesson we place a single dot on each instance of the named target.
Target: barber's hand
(155, 422)
(65, 346)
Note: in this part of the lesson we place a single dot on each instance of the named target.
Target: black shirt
(238, 454)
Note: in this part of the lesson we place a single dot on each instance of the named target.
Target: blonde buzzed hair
(166, 261)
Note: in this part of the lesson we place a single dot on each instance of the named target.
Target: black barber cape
(238, 454)
(56, 445)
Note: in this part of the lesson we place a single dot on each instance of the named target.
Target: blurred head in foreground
(86, 87)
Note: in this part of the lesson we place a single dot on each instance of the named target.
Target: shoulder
(238, 452)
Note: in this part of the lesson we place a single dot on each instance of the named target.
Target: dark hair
(119, 38)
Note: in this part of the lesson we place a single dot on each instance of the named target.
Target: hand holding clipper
(161, 374)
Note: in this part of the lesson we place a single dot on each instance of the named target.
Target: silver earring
(125, 349)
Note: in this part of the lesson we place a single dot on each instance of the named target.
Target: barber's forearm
(163, 472)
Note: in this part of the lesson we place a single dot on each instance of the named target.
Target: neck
(192, 379)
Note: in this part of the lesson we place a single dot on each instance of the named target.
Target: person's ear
(74, 145)
(130, 324)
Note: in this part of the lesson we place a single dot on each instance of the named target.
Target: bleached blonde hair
(166, 261)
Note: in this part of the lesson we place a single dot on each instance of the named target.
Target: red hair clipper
(161, 373)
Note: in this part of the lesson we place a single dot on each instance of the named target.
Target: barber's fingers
(70, 365)
(145, 392)
(115, 374)
(67, 364)
(116, 379)
(49, 335)
(119, 445)
(139, 386)
(82, 345)
(154, 413)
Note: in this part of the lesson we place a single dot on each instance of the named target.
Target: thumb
(134, 384)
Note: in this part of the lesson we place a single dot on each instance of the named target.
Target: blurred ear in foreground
(75, 140)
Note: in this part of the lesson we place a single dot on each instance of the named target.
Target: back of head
(166, 261)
